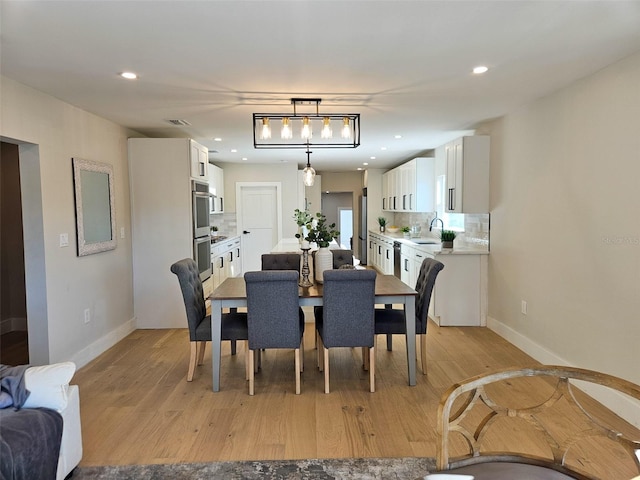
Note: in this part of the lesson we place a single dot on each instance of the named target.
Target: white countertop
(459, 247)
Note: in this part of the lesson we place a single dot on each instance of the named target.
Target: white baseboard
(622, 405)
(101, 345)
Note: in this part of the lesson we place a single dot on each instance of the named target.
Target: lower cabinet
(225, 261)
(459, 296)
(381, 253)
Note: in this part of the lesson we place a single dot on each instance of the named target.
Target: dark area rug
(353, 468)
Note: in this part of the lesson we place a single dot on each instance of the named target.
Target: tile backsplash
(476, 226)
(226, 222)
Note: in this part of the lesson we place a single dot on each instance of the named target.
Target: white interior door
(259, 223)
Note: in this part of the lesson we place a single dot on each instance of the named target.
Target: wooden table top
(387, 285)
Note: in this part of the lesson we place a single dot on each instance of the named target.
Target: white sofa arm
(71, 446)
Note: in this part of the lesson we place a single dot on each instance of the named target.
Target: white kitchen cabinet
(467, 177)
(225, 260)
(381, 253)
(458, 297)
(410, 187)
(216, 188)
(199, 161)
(411, 258)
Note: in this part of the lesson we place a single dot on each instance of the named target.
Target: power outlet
(523, 307)
(64, 240)
(87, 315)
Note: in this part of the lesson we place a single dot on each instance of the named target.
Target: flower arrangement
(320, 232)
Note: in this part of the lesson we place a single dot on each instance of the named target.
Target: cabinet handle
(201, 169)
(370, 246)
(221, 204)
(379, 250)
(406, 264)
(411, 201)
(221, 262)
(394, 203)
(387, 254)
(384, 203)
(404, 202)
(451, 199)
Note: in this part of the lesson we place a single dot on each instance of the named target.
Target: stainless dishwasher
(397, 267)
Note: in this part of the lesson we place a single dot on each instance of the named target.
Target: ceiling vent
(178, 122)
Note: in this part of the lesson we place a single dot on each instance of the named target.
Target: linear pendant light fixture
(297, 129)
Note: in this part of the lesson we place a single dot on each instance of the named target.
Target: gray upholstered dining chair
(342, 257)
(234, 324)
(281, 261)
(274, 317)
(390, 321)
(346, 317)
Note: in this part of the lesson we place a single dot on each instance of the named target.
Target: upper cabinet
(467, 175)
(216, 188)
(410, 187)
(199, 156)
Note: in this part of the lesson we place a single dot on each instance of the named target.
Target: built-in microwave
(200, 209)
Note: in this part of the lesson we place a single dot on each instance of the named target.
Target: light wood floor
(137, 407)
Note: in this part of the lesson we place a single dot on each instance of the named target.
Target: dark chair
(234, 325)
(391, 321)
(342, 257)
(281, 261)
(274, 317)
(346, 317)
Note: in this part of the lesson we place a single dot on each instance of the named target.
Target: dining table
(389, 289)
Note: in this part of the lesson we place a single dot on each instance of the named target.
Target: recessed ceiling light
(244, 158)
(372, 158)
(383, 148)
(365, 163)
(129, 75)
(359, 168)
(233, 150)
(398, 136)
(217, 139)
(480, 69)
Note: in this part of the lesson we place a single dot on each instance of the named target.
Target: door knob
(245, 232)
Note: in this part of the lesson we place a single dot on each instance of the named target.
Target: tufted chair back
(189, 278)
(424, 286)
(281, 261)
(342, 257)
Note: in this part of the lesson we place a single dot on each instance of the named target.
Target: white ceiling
(405, 66)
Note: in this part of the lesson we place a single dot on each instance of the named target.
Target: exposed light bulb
(308, 175)
(306, 132)
(346, 129)
(286, 133)
(265, 133)
(326, 128)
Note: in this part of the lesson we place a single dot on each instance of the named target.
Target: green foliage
(447, 235)
(302, 217)
(382, 221)
(320, 232)
(405, 229)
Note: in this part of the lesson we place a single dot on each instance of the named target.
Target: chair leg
(319, 351)
(326, 369)
(423, 353)
(389, 342)
(192, 361)
(233, 347)
(298, 367)
(251, 372)
(372, 369)
(365, 358)
(202, 346)
(247, 361)
(302, 355)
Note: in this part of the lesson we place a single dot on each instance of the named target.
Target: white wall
(51, 132)
(286, 173)
(565, 224)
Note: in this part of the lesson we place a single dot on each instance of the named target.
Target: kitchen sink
(425, 241)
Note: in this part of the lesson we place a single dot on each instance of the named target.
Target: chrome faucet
(436, 218)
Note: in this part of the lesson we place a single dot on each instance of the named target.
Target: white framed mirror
(95, 206)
